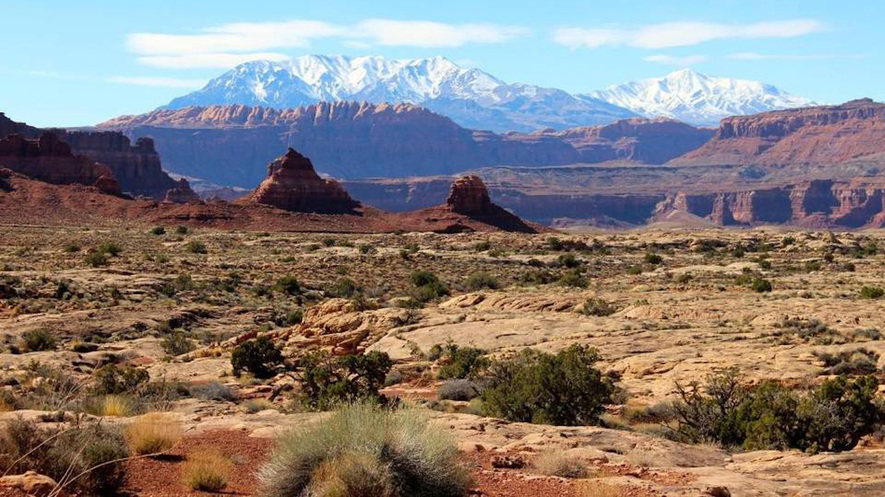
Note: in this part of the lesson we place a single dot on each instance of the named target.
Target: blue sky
(78, 63)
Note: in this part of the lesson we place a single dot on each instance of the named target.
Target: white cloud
(759, 56)
(158, 81)
(210, 60)
(682, 34)
(671, 60)
(429, 34)
(231, 44)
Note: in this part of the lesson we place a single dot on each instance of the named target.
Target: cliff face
(181, 194)
(49, 159)
(137, 167)
(231, 144)
(649, 141)
(827, 134)
(293, 185)
(10, 127)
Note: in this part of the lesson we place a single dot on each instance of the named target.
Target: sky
(68, 63)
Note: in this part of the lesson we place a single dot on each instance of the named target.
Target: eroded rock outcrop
(293, 185)
(181, 194)
(10, 127)
(137, 167)
(469, 195)
(826, 134)
(49, 159)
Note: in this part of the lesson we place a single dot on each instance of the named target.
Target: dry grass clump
(563, 465)
(153, 433)
(363, 450)
(596, 489)
(206, 471)
(115, 405)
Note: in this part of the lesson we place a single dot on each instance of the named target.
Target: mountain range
(478, 100)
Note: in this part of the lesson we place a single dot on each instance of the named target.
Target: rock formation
(293, 185)
(137, 167)
(230, 145)
(10, 127)
(181, 194)
(469, 196)
(826, 134)
(49, 159)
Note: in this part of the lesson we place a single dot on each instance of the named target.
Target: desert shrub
(482, 246)
(181, 283)
(557, 463)
(788, 240)
(288, 285)
(115, 380)
(832, 417)
(214, 390)
(196, 247)
(849, 362)
(158, 231)
(365, 451)
(344, 287)
(65, 456)
(568, 260)
(96, 259)
(573, 278)
(327, 381)
(153, 433)
(536, 277)
(812, 266)
(598, 307)
(426, 286)
(554, 243)
(181, 230)
(109, 248)
(760, 285)
(177, 343)
(72, 248)
(868, 334)
(261, 357)
(38, 339)
(461, 389)
(482, 279)
(652, 258)
(807, 330)
(871, 292)
(458, 362)
(206, 471)
(536, 387)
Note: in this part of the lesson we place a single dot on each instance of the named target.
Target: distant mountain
(696, 98)
(470, 97)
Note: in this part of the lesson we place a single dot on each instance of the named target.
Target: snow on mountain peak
(696, 98)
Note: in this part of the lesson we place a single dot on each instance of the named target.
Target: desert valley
(354, 276)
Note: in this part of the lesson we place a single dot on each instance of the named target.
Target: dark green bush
(261, 357)
(598, 307)
(652, 258)
(459, 362)
(158, 231)
(96, 259)
(832, 417)
(328, 381)
(426, 286)
(288, 285)
(181, 230)
(177, 343)
(760, 285)
(344, 287)
(849, 362)
(461, 390)
(38, 339)
(536, 387)
(573, 278)
(482, 279)
(196, 247)
(115, 380)
(871, 292)
(109, 248)
(568, 260)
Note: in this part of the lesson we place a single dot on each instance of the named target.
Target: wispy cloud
(157, 81)
(681, 34)
(760, 56)
(230, 44)
(671, 60)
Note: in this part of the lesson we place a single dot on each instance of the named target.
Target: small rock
(508, 462)
(31, 482)
(717, 492)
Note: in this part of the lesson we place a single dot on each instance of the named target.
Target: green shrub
(288, 285)
(536, 387)
(482, 279)
(460, 389)
(261, 357)
(598, 307)
(871, 292)
(427, 286)
(573, 278)
(536, 277)
(849, 362)
(65, 456)
(329, 242)
(363, 450)
(158, 231)
(482, 246)
(96, 259)
(634, 270)
(344, 287)
(196, 247)
(654, 259)
(554, 243)
(459, 362)
(115, 380)
(328, 381)
(72, 248)
(38, 339)
(177, 343)
(760, 285)
(109, 248)
(181, 230)
(568, 260)
(832, 417)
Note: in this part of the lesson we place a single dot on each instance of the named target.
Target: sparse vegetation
(459, 362)
(206, 471)
(598, 307)
(260, 357)
(153, 433)
(482, 280)
(871, 292)
(327, 381)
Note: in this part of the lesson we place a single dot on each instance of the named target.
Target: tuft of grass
(38, 340)
(115, 405)
(206, 471)
(365, 450)
(557, 463)
(153, 433)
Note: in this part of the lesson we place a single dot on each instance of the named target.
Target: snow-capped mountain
(469, 96)
(696, 98)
